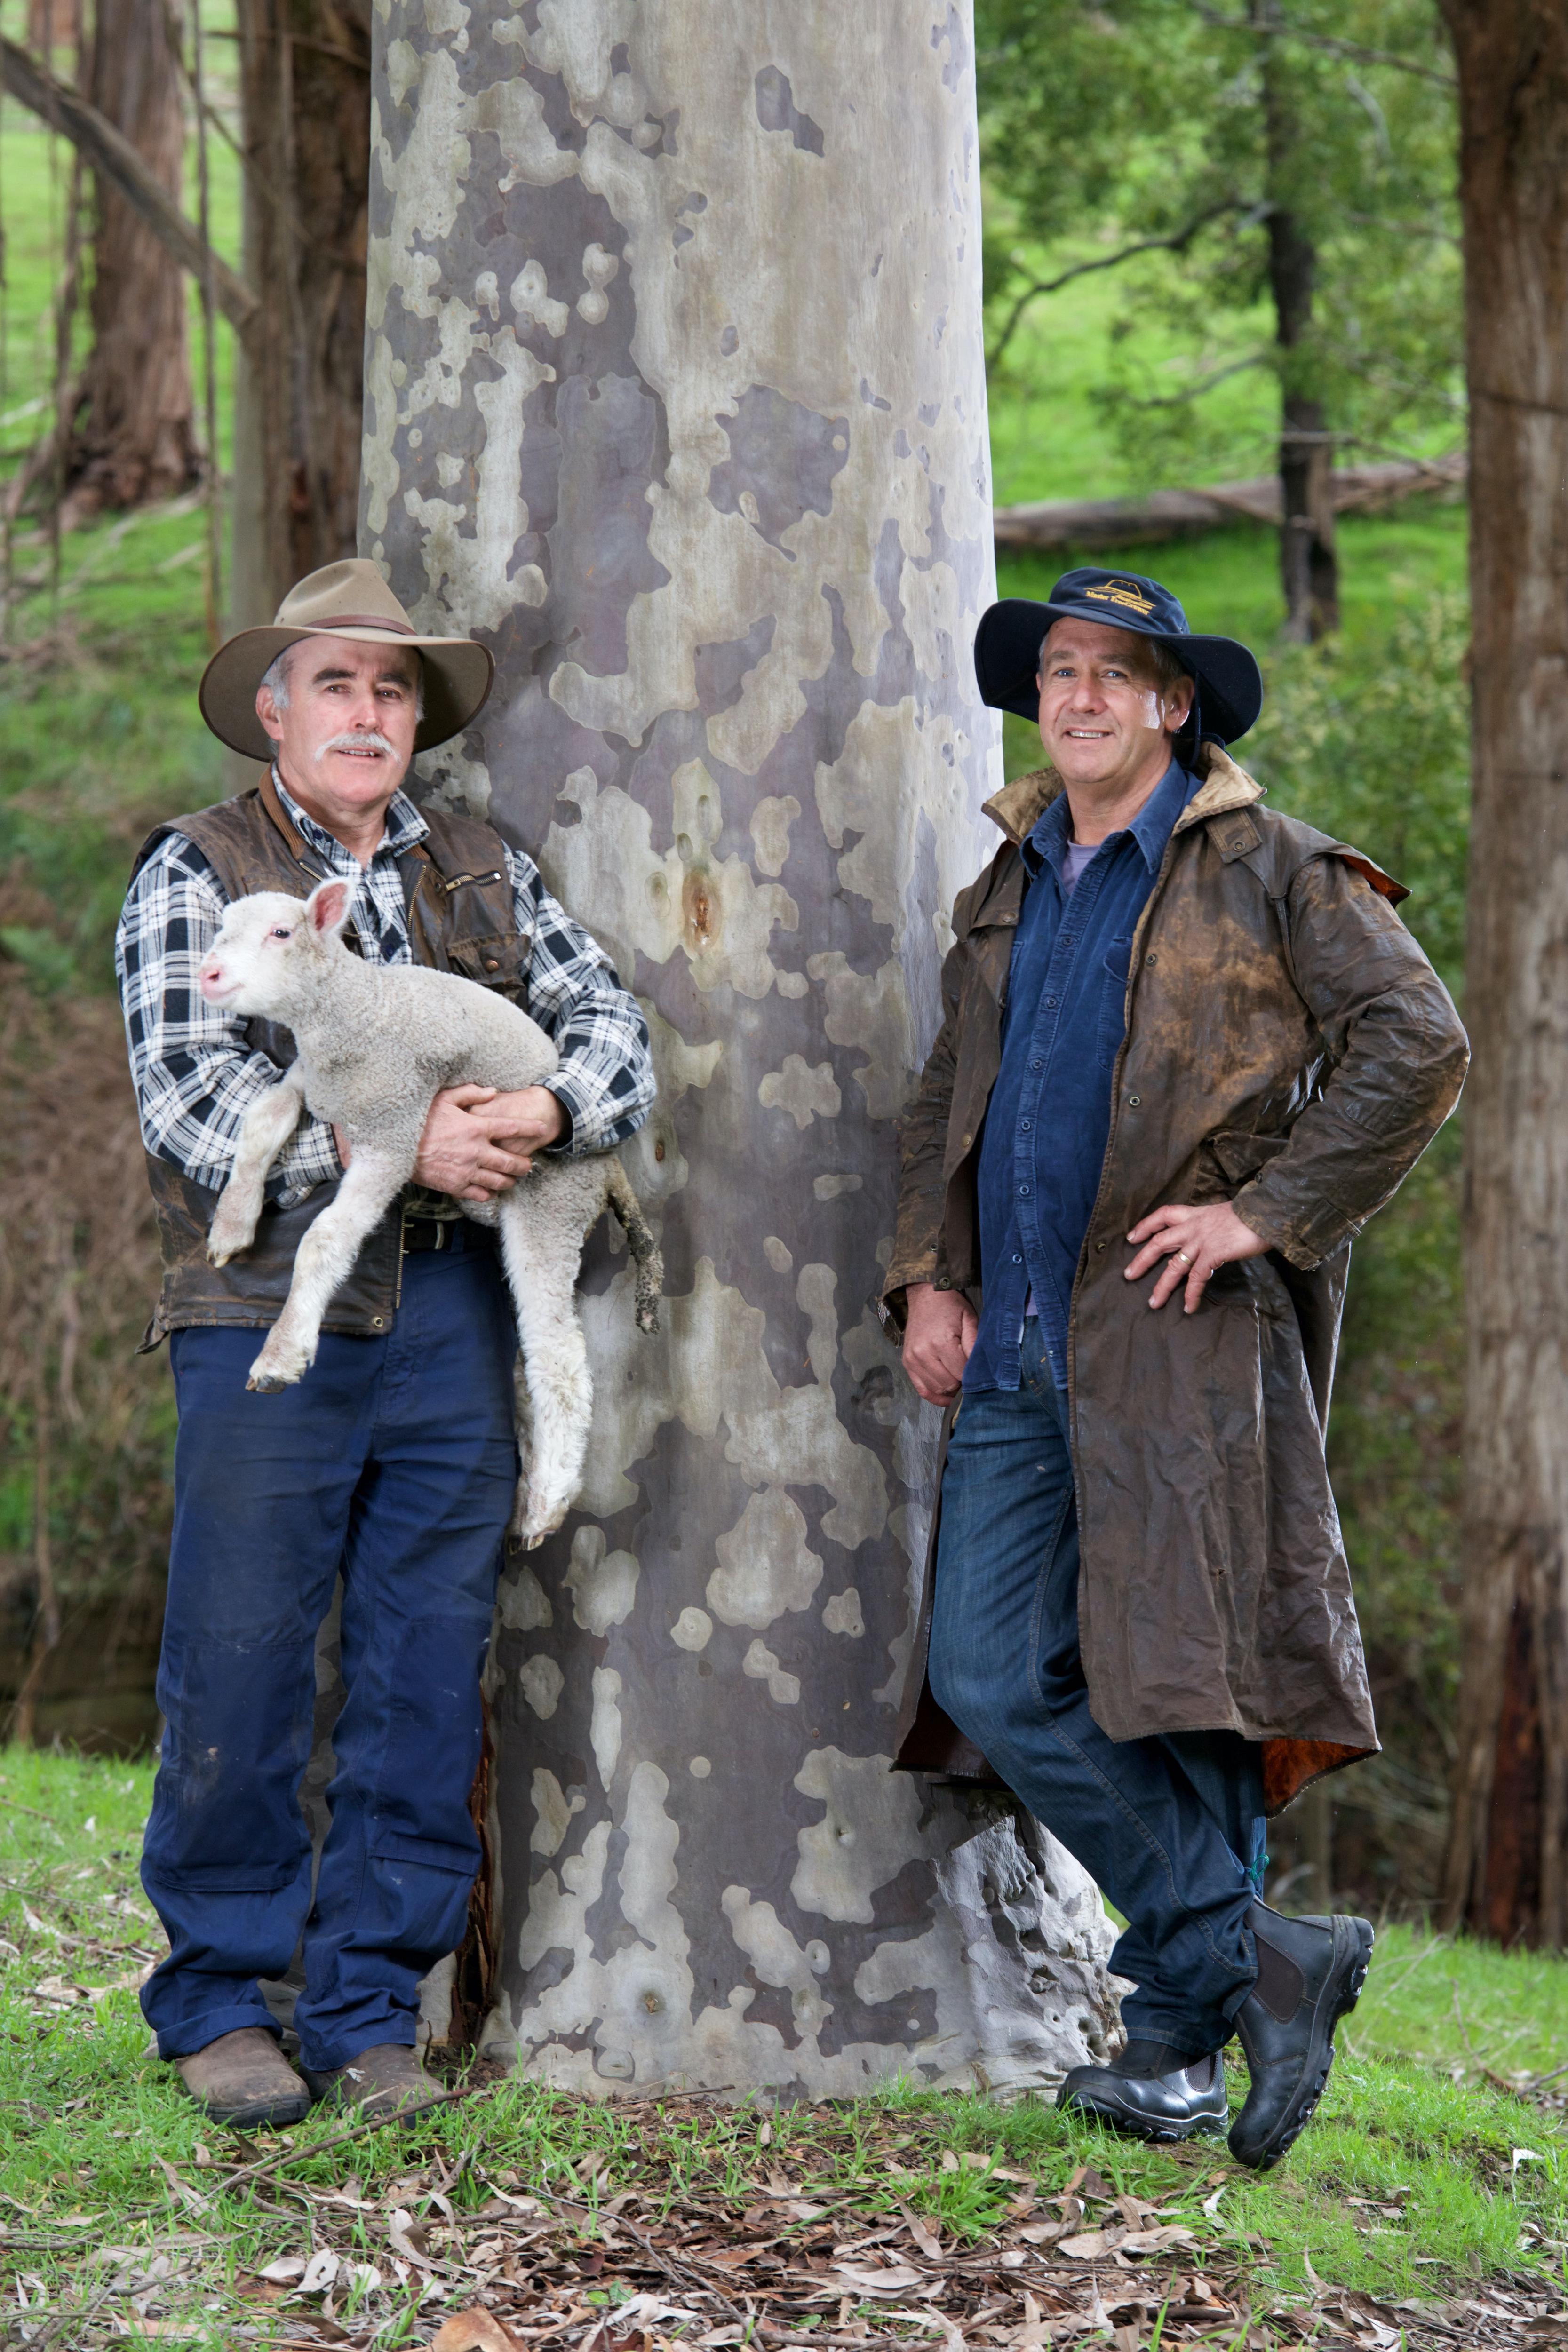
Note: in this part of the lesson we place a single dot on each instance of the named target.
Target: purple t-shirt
(1079, 854)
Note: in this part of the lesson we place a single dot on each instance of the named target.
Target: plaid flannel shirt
(196, 1077)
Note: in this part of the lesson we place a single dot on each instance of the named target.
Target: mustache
(358, 738)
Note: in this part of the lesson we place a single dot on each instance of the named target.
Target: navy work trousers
(1170, 1828)
(392, 1463)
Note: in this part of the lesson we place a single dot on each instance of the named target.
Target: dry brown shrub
(87, 1424)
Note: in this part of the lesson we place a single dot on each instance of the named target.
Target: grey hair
(275, 678)
(1168, 671)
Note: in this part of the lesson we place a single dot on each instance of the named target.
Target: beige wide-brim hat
(342, 600)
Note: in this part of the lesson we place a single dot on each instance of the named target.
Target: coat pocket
(1223, 1163)
(1242, 1155)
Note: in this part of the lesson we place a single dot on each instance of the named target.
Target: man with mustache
(392, 1463)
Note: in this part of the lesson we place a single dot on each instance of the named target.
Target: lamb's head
(272, 952)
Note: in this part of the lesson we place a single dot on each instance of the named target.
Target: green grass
(1050, 433)
(1418, 2176)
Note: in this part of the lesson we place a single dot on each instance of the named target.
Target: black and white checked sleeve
(606, 1078)
(194, 1075)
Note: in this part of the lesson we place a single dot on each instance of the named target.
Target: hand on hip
(1195, 1243)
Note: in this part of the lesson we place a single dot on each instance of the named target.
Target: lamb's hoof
(542, 1522)
(648, 1320)
(220, 1249)
(274, 1371)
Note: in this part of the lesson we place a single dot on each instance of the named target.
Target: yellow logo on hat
(1121, 591)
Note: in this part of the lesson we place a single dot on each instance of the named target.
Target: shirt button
(1024, 1125)
(1050, 1001)
(1017, 1257)
(1022, 1191)
(1036, 1065)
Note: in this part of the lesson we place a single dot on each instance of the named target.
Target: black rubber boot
(1152, 2092)
(1309, 1975)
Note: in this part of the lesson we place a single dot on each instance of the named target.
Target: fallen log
(1184, 514)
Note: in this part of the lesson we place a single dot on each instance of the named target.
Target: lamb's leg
(542, 1252)
(523, 1415)
(263, 1132)
(321, 1264)
(641, 1243)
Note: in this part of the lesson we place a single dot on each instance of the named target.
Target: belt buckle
(442, 1228)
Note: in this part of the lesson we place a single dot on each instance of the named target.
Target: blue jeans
(392, 1463)
(1168, 1827)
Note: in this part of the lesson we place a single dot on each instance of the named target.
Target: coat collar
(1018, 806)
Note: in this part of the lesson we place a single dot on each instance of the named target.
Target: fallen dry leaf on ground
(474, 2331)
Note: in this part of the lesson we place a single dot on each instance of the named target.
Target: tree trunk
(1505, 1868)
(1308, 567)
(53, 25)
(135, 438)
(299, 397)
(676, 398)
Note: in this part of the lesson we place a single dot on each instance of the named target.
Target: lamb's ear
(327, 907)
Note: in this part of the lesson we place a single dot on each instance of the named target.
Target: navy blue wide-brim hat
(1007, 646)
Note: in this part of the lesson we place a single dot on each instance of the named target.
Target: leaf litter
(510, 2219)
(799, 2246)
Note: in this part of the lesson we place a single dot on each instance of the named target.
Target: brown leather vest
(461, 918)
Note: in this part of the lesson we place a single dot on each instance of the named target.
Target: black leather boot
(1309, 1975)
(1151, 2092)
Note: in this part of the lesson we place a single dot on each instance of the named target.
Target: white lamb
(375, 1044)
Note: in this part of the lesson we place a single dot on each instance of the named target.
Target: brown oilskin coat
(1291, 1050)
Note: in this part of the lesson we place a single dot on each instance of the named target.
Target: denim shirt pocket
(1113, 1001)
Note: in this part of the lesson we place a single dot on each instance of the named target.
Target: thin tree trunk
(305, 96)
(135, 438)
(676, 397)
(1309, 566)
(53, 25)
(1504, 1874)
(112, 155)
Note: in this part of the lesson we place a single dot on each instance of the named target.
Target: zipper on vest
(455, 881)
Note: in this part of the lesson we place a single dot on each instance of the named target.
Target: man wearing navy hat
(1188, 1049)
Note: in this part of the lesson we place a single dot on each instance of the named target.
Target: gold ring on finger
(1183, 1257)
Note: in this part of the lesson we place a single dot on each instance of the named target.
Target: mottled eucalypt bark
(1507, 1873)
(675, 396)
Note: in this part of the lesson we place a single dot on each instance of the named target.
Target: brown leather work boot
(243, 2079)
(386, 2079)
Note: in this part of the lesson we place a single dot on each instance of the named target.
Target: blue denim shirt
(1049, 1114)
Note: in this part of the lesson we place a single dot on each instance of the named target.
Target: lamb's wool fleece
(375, 1043)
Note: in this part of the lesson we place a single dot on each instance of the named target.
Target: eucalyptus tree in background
(134, 436)
(1507, 1874)
(298, 306)
(1235, 165)
(304, 84)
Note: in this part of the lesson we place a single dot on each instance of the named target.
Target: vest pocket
(500, 962)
